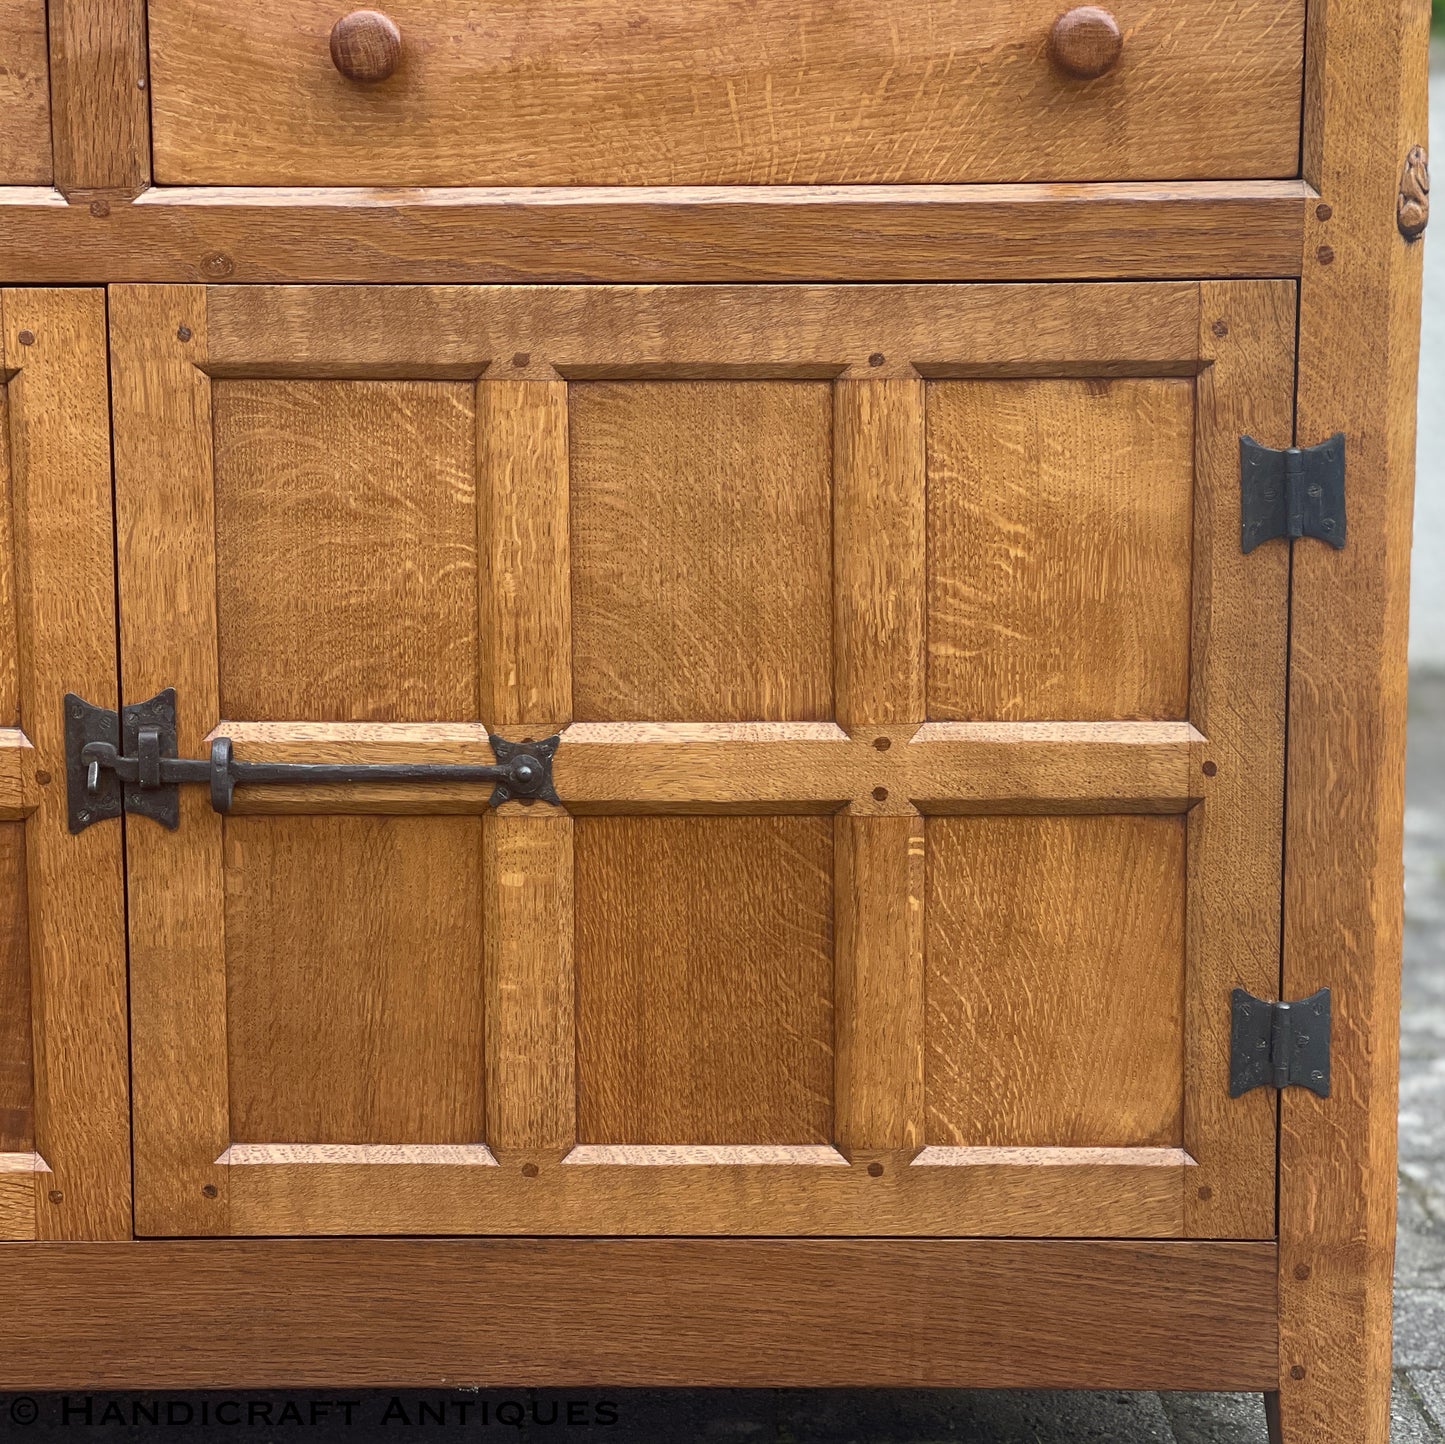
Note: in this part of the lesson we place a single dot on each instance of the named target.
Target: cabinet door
(921, 759)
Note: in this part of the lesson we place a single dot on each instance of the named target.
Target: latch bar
(130, 762)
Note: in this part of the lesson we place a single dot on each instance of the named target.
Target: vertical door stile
(1237, 689)
(879, 579)
(165, 517)
(526, 668)
(65, 628)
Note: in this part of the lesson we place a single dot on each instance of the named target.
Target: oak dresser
(705, 693)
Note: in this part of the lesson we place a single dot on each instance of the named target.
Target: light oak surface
(598, 1313)
(24, 95)
(650, 235)
(1359, 341)
(721, 92)
(54, 347)
(698, 519)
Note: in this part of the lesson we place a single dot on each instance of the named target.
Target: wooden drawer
(722, 92)
(24, 94)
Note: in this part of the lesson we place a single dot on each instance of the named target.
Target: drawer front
(723, 92)
(24, 94)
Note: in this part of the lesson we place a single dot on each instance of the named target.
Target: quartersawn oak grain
(353, 979)
(1059, 511)
(701, 511)
(346, 550)
(980, 1313)
(65, 613)
(704, 980)
(721, 93)
(647, 236)
(1366, 81)
(1055, 981)
(24, 96)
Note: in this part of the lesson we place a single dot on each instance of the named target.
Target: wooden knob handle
(365, 46)
(1085, 41)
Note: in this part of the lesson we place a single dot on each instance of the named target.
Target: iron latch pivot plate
(129, 763)
(1297, 492)
(1279, 1045)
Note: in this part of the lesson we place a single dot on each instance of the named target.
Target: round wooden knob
(365, 46)
(1085, 41)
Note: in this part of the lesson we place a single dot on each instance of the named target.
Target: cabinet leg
(1271, 1418)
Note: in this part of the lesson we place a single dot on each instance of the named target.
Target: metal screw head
(1297, 1371)
(183, 333)
(210, 1190)
(883, 743)
(877, 359)
(529, 1170)
(875, 1170)
(55, 1195)
(1220, 328)
(1323, 211)
(524, 772)
(880, 794)
(1326, 254)
(26, 338)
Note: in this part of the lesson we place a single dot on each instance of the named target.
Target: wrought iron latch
(1279, 1045)
(1299, 491)
(127, 762)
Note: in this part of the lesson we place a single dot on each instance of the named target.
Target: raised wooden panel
(1060, 528)
(17, 1125)
(702, 550)
(721, 92)
(1055, 981)
(346, 550)
(24, 94)
(704, 980)
(353, 966)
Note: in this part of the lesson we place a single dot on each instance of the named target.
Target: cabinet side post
(1365, 90)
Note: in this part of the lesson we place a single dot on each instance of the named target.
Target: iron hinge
(1297, 492)
(127, 762)
(1279, 1045)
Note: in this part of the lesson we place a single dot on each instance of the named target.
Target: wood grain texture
(727, 233)
(1055, 981)
(24, 95)
(1358, 348)
(704, 980)
(722, 93)
(346, 550)
(17, 1080)
(166, 559)
(530, 1052)
(19, 789)
(1236, 701)
(525, 615)
(100, 92)
(64, 539)
(701, 551)
(723, 332)
(879, 982)
(353, 979)
(697, 1190)
(9, 638)
(977, 1313)
(1059, 512)
(755, 767)
(879, 550)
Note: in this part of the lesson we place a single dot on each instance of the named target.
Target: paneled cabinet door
(920, 773)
